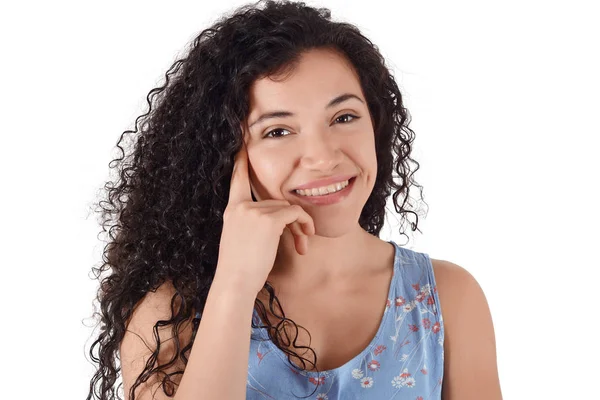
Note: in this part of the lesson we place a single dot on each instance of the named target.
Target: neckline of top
(283, 356)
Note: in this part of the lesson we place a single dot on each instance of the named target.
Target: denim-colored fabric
(405, 359)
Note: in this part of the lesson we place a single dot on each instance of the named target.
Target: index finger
(239, 189)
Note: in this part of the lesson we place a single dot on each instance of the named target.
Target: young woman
(245, 262)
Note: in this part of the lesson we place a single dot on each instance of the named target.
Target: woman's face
(311, 139)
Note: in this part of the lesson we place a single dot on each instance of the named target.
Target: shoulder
(455, 284)
(156, 305)
(470, 366)
(142, 337)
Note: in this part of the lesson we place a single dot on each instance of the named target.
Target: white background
(504, 98)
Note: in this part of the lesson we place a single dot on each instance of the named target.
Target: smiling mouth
(305, 193)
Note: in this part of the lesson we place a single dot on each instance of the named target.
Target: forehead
(317, 77)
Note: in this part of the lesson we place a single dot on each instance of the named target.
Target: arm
(218, 364)
(218, 361)
(470, 366)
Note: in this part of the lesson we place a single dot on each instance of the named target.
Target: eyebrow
(281, 114)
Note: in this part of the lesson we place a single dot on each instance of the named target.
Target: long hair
(164, 213)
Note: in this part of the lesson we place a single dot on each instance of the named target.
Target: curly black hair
(165, 210)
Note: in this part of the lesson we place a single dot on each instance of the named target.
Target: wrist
(233, 287)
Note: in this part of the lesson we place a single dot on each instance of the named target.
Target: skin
(315, 142)
(470, 364)
(358, 266)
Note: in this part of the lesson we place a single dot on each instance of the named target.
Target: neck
(328, 259)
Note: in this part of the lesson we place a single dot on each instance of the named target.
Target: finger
(239, 189)
(300, 238)
(306, 223)
(295, 213)
(273, 204)
(301, 243)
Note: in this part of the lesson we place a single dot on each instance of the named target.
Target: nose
(320, 151)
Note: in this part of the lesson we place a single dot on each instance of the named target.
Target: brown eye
(275, 130)
(353, 117)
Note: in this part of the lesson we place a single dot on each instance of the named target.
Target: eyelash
(354, 117)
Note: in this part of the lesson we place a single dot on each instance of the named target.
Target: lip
(327, 199)
(325, 182)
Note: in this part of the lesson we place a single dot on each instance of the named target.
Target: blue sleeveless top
(405, 359)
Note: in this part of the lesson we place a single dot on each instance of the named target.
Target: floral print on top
(405, 359)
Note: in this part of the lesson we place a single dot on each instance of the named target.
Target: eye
(270, 133)
(353, 117)
(275, 130)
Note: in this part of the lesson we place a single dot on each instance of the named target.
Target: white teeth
(336, 187)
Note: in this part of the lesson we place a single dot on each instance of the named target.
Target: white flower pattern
(404, 343)
(357, 373)
(366, 382)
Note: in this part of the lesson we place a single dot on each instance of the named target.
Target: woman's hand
(252, 230)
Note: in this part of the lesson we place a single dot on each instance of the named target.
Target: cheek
(364, 150)
(268, 171)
